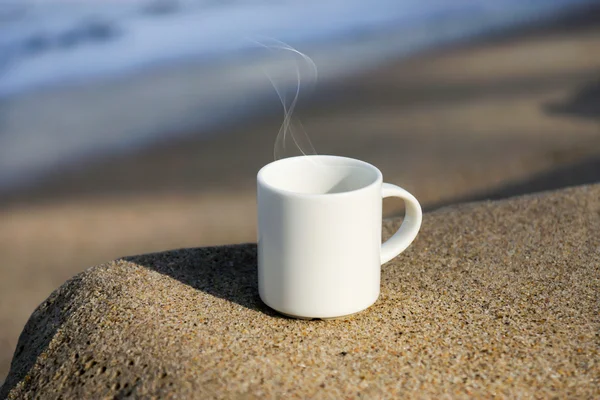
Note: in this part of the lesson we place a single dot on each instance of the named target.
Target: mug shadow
(228, 272)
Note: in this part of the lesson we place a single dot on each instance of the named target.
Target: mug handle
(410, 226)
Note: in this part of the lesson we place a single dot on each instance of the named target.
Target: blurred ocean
(83, 78)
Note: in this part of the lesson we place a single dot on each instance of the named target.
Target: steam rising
(292, 129)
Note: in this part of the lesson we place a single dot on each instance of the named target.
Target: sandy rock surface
(493, 298)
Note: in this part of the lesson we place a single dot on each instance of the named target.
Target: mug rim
(284, 192)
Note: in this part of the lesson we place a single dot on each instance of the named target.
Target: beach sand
(487, 120)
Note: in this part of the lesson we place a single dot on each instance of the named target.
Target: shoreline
(225, 107)
(417, 85)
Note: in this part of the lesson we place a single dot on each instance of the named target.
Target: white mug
(319, 235)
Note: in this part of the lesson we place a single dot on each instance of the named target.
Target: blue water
(90, 77)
